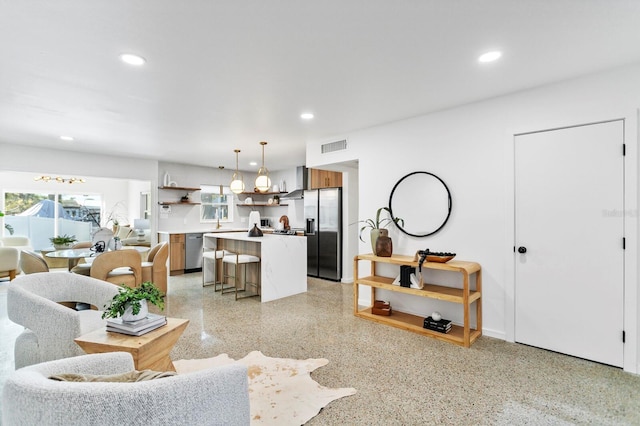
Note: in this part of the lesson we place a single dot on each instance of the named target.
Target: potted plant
(63, 241)
(377, 224)
(131, 302)
(114, 216)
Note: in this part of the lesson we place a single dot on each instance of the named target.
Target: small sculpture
(285, 222)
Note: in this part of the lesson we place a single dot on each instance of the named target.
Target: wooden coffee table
(150, 351)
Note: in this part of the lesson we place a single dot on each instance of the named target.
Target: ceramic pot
(62, 246)
(128, 315)
(374, 237)
(384, 245)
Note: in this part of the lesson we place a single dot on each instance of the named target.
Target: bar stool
(212, 256)
(236, 259)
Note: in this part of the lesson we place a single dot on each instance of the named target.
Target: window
(40, 216)
(216, 204)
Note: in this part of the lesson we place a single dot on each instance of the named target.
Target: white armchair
(217, 396)
(9, 262)
(18, 242)
(50, 327)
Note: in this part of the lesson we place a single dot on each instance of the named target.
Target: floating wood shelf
(261, 205)
(179, 188)
(173, 203)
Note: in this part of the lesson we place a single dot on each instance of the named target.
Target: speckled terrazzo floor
(401, 378)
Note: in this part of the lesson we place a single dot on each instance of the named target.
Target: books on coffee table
(136, 328)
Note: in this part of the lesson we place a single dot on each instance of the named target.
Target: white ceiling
(227, 74)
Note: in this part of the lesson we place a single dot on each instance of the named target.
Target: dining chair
(155, 268)
(31, 262)
(84, 266)
(118, 267)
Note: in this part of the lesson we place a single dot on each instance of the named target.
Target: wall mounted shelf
(173, 203)
(179, 188)
(263, 193)
(261, 205)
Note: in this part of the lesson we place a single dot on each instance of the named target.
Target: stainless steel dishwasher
(193, 252)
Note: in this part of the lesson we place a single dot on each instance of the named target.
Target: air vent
(334, 146)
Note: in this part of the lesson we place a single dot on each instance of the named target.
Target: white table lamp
(140, 225)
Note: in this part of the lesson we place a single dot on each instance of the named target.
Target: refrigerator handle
(310, 228)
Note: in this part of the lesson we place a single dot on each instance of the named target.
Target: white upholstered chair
(33, 302)
(215, 396)
(18, 242)
(236, 260)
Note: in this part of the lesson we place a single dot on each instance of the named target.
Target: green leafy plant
(132, 296)
(63, 239)
(378, 222)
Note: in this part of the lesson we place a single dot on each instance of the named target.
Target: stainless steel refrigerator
(323, 228)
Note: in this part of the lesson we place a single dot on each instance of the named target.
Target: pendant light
(237, 184)
(263, 183)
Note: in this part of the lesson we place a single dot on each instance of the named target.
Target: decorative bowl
(440, 259)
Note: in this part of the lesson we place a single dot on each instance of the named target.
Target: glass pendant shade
(263, 183)
(237, 183)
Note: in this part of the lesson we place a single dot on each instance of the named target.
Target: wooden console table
(460, 335)
(150, 351)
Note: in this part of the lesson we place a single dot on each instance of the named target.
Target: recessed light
(490, 56)
(253, 163)
(306, 116)
(66, 138)
(132, 59)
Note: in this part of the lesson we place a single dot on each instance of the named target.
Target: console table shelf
(461, 335)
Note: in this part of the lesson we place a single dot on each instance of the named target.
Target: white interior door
(569, 207)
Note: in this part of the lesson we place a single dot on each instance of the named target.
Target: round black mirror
(423, 201)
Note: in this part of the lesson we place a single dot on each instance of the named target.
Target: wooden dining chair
(155, 268)
(118, 267)
(31, 262)
(83, 267)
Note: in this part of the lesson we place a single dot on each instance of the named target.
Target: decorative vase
(384, 245)
(128, 315)
(115, 244)
(62, 246)
(255, 231)
(374, 237)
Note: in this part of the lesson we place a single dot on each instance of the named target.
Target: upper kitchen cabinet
(325, 179)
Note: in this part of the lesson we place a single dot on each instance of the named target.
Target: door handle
(522, 249)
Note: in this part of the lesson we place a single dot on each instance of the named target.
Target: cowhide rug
(281, 390)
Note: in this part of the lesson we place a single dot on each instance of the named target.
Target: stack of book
(442, 326)
(136, 328)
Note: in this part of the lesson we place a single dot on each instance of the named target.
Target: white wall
(470, 148)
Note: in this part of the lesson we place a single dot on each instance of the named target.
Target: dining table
(74, 255)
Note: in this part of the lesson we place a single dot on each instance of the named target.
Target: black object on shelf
(405, 275)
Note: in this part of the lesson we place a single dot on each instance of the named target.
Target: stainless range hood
(302, 178)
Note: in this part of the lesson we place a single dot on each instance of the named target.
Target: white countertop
(200, 231)
(283, 261)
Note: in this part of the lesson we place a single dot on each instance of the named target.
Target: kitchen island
(283, 260)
